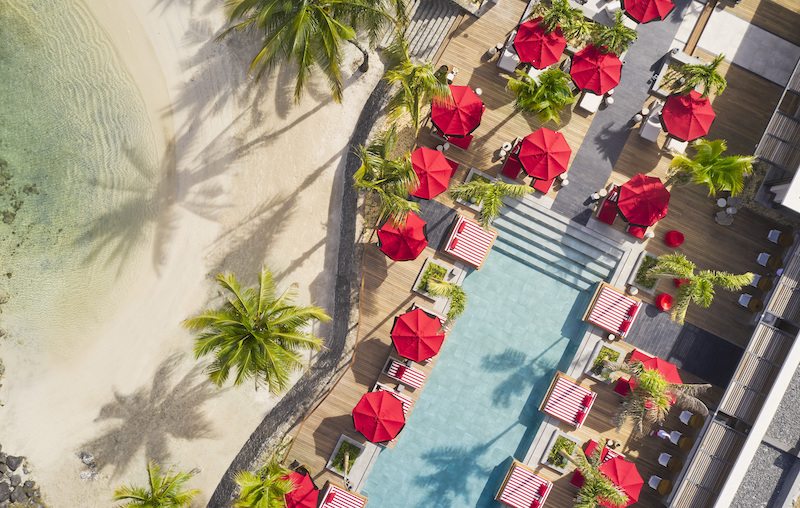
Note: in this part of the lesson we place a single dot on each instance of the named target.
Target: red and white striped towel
(337, 497)
(569, 402)
(469, 242)
(406, 375)
(399, 396)
(524, 487)
(614, 311)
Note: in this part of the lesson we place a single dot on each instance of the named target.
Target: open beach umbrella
(595, 71)
(624, 475)
(643, 200)
(687, 117)
(433, 172)
(417, 335)
(460, 115)
(645, 11)
(537, 47)
(545, 154)
(665, 368)
(402, 242)
(304, 495)
(379, 416)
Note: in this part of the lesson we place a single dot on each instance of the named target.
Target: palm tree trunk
(364, 67)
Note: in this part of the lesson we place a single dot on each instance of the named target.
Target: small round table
(664, 301)
(673, 238)
(722, 202)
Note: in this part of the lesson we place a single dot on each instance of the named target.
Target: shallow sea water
(79, 173)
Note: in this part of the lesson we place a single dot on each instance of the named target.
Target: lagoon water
(79, 174)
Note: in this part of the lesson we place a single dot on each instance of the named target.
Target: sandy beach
(247, 178)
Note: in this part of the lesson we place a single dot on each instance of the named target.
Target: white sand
(251, 179)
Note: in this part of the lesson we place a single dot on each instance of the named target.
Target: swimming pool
(480, 404)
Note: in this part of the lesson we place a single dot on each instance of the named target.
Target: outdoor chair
(511, 168)
(636, 231)
(651, 127)
(663, 459)
(675, 145)
(685, 417)
(622, 387)
(756, 278)
(744, 299)
(763, 258)
(653, 482)
(674, 437)
(542, 185)
(773, 235)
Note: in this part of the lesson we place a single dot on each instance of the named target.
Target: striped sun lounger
(522, 488)
(399, 396)
(335, 496)
(406, 375)
(469, 242)
(568, 401)
(612, 310)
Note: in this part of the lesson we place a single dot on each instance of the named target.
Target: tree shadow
(150, 416)
(525, 372)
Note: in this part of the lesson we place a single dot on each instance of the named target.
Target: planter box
(675, 56)
(448, 277)
(343, 439)
(597, 349)
(632, 278)
(558, 434)
(472, 173)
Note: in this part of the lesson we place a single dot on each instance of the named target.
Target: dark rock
(3, 456)
(13, 462)
(87, 458)
(5, 491)
(18, 496)
(29, 484)
(3, 469)
(15, 480)
(4, 504)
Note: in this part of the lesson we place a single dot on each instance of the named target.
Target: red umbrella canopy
(417, 335)
(536, 46)
(403, 242)
(379, 416)
(460, 115)
(687, 117)
(433, 171)
(666, 369)
(595, 71)
(643, 200)
(644, 11)
(304, 495)
(545, 154)
(624, 475)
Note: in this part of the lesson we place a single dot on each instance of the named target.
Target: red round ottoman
(673, 238)
(664, 301)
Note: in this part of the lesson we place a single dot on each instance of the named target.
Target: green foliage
(606, 354)
(705, 75)
(267, 489)
(545, 98)
(561, 13)
(700, 288)
(257, 333)
(708, 167)
(433, 271)
(614, 39)
(309, 34)
(338, 460)
(454, 293)
(489, 196)
(597, 487)
(554, 457)
(642, 278)
(162, 491)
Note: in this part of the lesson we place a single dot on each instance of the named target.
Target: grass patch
(338, 461)
(433, 271)
(641, 275)
(555, 458)
(605, 353)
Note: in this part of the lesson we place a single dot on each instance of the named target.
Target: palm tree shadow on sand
(148, 417)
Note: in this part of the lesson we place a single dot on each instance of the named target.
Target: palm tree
(700, 288)
(489, 196)
(388, 179)
(418, 83)
(545, 98)
(257, 333)
(560, 13)
(454, 293)
(614, 39)
(709, 168)
(705, 74)
(597, 488)
(267, 489)
(651, 396)
(308, 34)
(163, 490)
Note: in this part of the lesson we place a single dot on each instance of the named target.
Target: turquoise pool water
(479, 407)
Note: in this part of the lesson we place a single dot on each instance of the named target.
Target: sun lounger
(608, 211)
(651, 127)
(636, 231)
(523, 488)
(469, 242)
(542, 185)
(568, 401)
(334, 496)
(406, 375)
(508, 59)
(407, 402)
(590, 101)
(612, 310)
(511, 167)
(462, 143)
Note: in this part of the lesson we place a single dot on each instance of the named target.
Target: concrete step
(542, 265)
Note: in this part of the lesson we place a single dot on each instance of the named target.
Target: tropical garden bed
(432, 269)
(603, 351)
(473, 176)
(639, 275)
(552, 458)
(344, 446)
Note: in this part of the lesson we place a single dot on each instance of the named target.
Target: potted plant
(431, 270)
(345, 446)
(553, 458)
(475, 176)
(603, 351)
(640, 277)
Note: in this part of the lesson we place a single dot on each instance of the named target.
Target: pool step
(567, 276)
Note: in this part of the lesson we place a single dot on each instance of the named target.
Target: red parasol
(643, 200)
(545, 154)
(433, 171)
(379, 416)
(687, 117)
(304, 495)
(595, 71)
(403, 242)
(460, 115)
(417, 335)
(624, 475)
(645, 11)
(536, 46)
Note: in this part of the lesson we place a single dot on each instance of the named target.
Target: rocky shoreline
(17, 488)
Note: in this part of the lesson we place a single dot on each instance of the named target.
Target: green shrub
(610, 354)
(555, 458)
(338, 461)
(641, 275)
(432, 271)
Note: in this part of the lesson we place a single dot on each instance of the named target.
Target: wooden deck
(780, 17)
